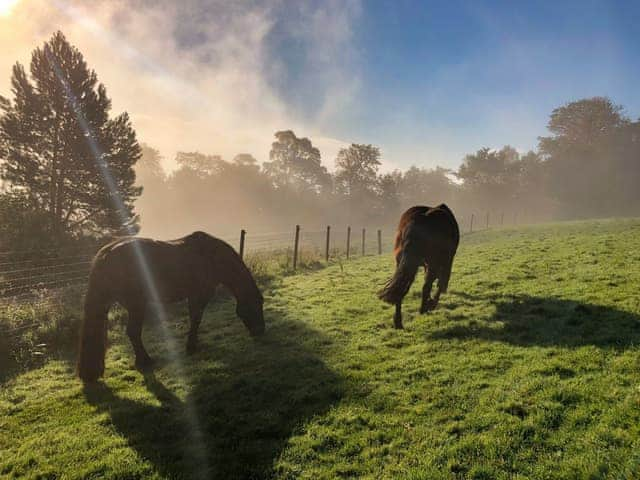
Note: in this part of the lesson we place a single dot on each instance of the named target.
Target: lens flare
(196, 445)
(6, 6)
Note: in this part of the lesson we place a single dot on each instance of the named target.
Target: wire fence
(36, 276)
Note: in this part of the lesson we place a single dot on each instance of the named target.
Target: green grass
(530, 368)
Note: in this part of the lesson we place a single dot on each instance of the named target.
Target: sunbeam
(196, 444)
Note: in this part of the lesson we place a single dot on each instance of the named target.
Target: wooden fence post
(243, 232)
(295, 247)
(348, 241)
(487, 220)
(471, 225)
(363, 235)
(326, 250)
(379, 242)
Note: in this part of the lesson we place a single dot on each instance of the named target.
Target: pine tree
(62, 150)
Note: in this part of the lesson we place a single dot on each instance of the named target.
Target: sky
(427, 82)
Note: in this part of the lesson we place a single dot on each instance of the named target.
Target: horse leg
(430, 277)
(397, 317)
(196, 308)
(134, 331)
(444, 273)
(442, 287)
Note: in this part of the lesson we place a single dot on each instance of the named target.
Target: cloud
(207, 76)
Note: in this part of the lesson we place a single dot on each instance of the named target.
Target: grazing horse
(427, 236)
(137, 272)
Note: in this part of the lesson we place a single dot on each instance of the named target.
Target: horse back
(131, 268)
(434, 226)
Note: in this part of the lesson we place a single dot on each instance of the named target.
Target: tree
(582, 123)
(246, 161)
(61, 149)
(426, 186)
(580, 155)
(155, 202)
(490, 177)
(199, 163)
(357, 169)
(149, 166)
(295, 163)
(21, 223)
(389, 193)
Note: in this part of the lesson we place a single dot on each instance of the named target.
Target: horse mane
(208, 245)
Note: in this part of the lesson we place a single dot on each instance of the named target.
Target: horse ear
(445, 207)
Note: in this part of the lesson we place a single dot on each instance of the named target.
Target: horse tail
(93, 334)
(398, 286)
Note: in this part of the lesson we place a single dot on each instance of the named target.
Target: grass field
(530, 368)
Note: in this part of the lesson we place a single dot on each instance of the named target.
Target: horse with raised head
(138, 272)
(426, 236)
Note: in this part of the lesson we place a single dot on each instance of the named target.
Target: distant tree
(62, 151)
(389, 193)
(485, 167)
(246, 160)
(533, 173)
(426, 186)
(490, 178)
(149, 166)
(582, 123)
(295, 163)
(154, 203)
(581, 155)
(357, 169)
(199, 163)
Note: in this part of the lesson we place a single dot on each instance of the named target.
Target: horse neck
(237, 278)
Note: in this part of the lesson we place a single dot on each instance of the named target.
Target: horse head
(250, 310)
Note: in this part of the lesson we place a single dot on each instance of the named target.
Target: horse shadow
(527, 320)
(246, 402)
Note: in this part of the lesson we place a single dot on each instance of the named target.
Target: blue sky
(428, 82)
(439, 79)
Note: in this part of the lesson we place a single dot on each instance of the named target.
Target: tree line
(589, 166)
(70, 170)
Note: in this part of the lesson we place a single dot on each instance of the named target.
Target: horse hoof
(398, 325)
(428, 307)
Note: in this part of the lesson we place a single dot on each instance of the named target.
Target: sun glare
(6, 6)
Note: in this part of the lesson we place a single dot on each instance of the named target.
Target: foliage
(593, 158)
(295, 163)
(198, 163)
(45, 328)
(22, 224)
(57, 139)
(357, 170)
(427, 186)
(528, 369)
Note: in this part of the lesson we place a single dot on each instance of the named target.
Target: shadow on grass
(528, 320)
(245, 401)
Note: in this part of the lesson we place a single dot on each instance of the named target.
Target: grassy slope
(529, 369)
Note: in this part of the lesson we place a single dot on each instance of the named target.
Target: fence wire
(34, 276)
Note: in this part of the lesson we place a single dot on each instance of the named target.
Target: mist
(218, 80)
